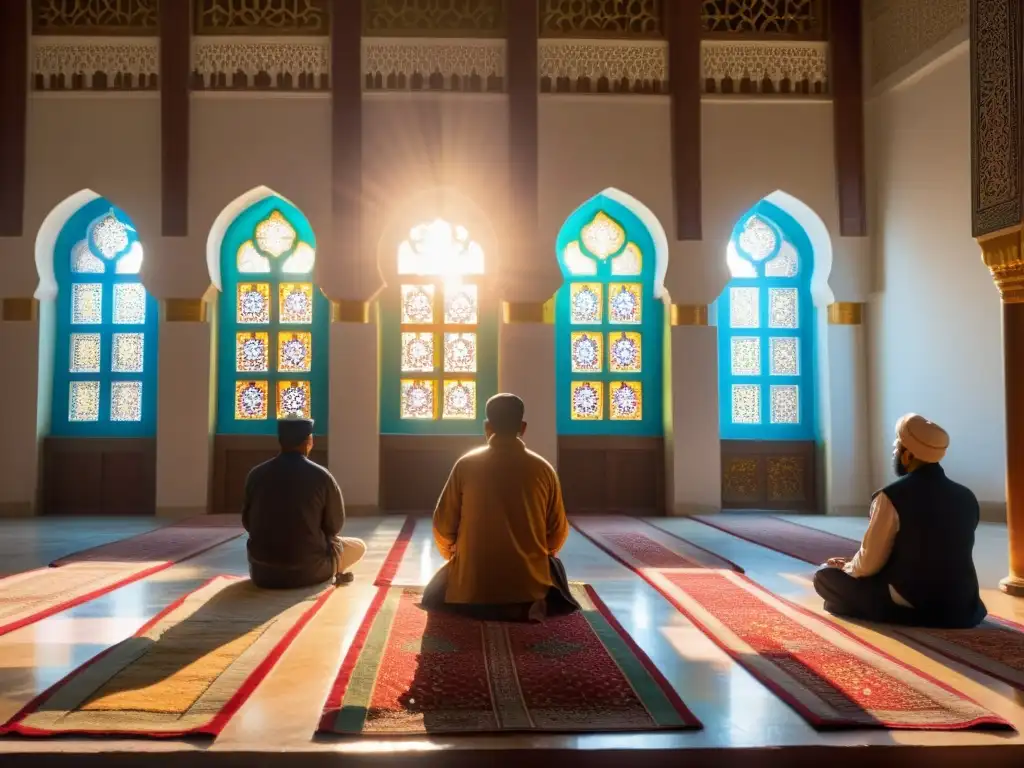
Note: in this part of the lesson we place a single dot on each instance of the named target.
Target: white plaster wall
(526, 367)
(933, 320)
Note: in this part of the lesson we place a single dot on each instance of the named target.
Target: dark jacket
(932, 560)
(293, 510)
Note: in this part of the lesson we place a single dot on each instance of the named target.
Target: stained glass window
(439, 335)
(609, 325)
(274, 322)
(106, 344)
(766, 337)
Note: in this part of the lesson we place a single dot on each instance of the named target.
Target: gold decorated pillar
(997, 219)
(1002, 254)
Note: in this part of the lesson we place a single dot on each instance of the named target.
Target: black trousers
(869, 599)
(559, 600)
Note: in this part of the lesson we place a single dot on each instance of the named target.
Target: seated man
(916, 563)
(499, 523)
(293, 512)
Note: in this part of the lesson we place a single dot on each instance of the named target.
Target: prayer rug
(410, 672)
(798, 541)
(184, 673)
(389, 568)
(830, 677)
(628, 541)
(996, 647)
(34, 595)
(172, 543)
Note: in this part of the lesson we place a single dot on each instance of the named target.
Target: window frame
(652, 327)
(243, 229)
(788, 232)
(78, 227)
(392, 328)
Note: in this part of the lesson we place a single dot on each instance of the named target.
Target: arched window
(106, 344)
(609, 326)
(274, 322)
(766, 331)
(440, 334)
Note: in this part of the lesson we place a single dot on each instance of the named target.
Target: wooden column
(175, 66)
(346, 132)
(14, 98)
(997, 213)
(522, 25)
(846, 82)
(683, 18)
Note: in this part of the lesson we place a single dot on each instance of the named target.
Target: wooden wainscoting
(99, 476)
(235, 455)
(769, 475)
(414, 468)
(612, 475)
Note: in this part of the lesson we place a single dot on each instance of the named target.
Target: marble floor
(737, 711)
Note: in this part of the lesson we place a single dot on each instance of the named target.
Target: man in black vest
(916, 564)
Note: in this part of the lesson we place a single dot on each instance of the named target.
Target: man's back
(288, 513)
(502, 506)
(932, 564)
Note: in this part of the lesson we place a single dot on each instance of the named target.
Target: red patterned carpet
(995, 648)
(410, 672)
(830, 677)
(798, 541)
(170, 544)
(630, 541)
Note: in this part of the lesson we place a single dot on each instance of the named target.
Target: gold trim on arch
(688, 314)
(846, 313)
(523, 312)
(1003, 254)
(183, 310)
(19, 310)
(350, 311)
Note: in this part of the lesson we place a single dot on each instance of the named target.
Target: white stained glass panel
(576, 262)
(251, 261)
(744, 308)
(746, 404)
(127, 353)
(110, 236)
(460, 305)
(746, 356)
(757, 239)
(782, 308)
(301, 261)
(84, 261)
(84, 401)
(786, 264)
(785, 356)
(129, 304)
(274, 235)
(131, 262)
(85, 353)
(86, 304)
(785, 404)
(126, 401)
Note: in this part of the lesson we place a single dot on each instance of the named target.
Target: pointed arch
(105, 329)
(779, 257)
(273, 320)
(610, 318)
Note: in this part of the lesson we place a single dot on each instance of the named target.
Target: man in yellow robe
(499, 523)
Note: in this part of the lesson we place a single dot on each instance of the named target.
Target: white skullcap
(925, 439)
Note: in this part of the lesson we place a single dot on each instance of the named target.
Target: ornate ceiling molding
(742, 67)
(261, 63)
(71, 63)
(425, 64)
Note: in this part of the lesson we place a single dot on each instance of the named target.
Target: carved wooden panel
(94, 17)
(602, 18)
(433, 18)
(234, 456)
(995, 115)
(612, 475)
(99, 476)
(261, 17)
(414, 468)
(769, 475)
(803, 19)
